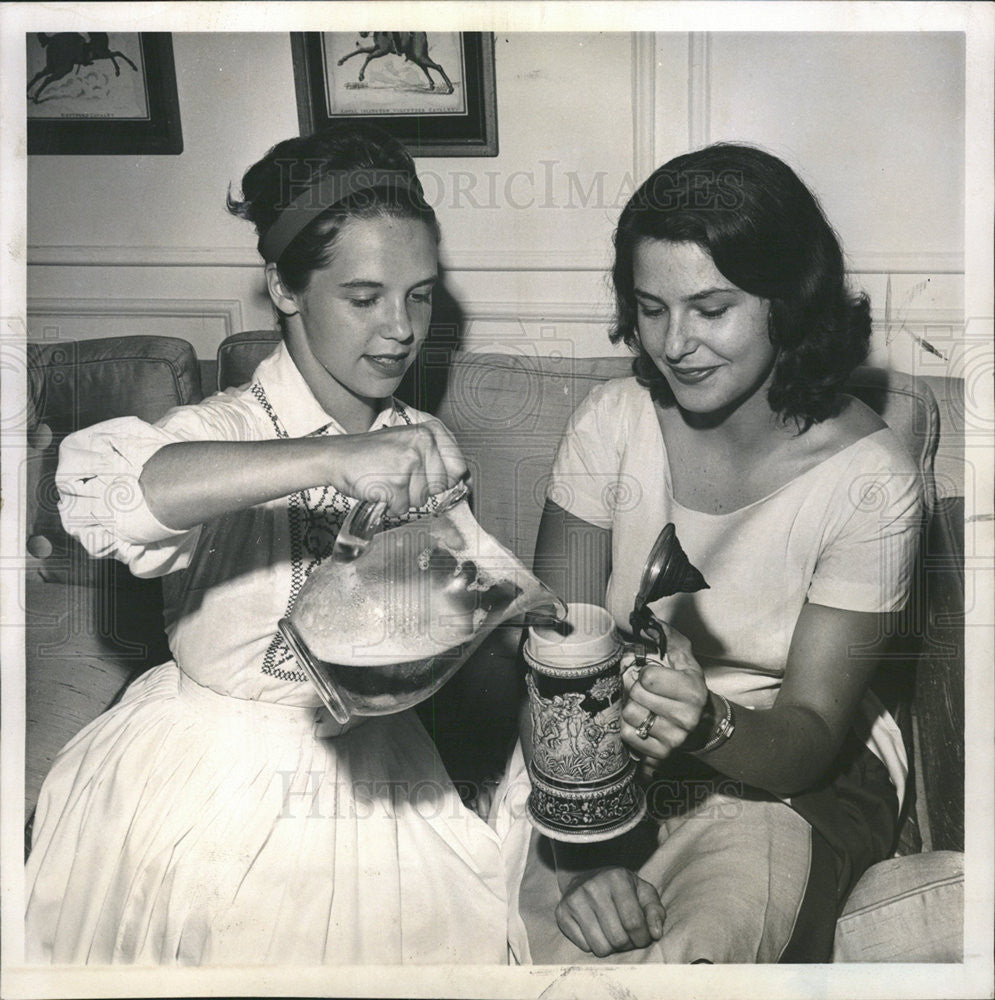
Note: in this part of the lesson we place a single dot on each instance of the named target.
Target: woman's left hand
(675, 693)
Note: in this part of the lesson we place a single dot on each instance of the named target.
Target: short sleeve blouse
(841, 534)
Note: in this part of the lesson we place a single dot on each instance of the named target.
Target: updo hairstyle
(295, 165)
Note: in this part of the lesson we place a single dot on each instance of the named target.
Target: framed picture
(102, 93)
(432, 90)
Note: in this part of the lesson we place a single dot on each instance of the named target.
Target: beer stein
(582, 775)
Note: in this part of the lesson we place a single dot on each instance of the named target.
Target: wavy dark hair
(766, 234)
(295, 164)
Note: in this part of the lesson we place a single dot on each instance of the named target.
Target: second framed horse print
(433, 90)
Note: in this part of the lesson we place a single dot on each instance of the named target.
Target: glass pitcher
(384, 631)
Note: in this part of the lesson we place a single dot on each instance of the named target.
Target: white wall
(874, 122)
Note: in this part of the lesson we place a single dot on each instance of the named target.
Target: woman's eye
(424, 297)
(648, 311)
(362, 303)
(713, 313)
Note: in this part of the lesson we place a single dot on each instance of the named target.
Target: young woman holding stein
(216, 815)
(777, 775)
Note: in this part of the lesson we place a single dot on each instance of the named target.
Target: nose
(398, 325)
(678, 341)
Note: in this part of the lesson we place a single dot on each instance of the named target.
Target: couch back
(508, 413)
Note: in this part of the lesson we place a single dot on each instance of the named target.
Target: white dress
(216, 814)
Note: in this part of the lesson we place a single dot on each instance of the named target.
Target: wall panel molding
(453, 260)
(142, 256)
(536, 312)
(913, 318)
(860, 262)
(643, 105)
(715, 90)
(228, 311)
(526, 260)
(888, 262)
(699, 90)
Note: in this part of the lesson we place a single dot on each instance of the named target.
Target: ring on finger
(643, 732)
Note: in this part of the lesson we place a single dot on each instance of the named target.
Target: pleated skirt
(187, 827)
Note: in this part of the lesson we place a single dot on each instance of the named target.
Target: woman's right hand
(186, 483)
(402, 465)
(610, 910)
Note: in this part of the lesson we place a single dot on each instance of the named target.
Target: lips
(692, 376)
(389, 365)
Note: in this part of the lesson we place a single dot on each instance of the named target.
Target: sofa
(90, 627)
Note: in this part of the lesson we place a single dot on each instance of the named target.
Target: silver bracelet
(724, 728)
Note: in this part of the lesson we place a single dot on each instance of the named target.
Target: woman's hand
(402, 465)
(610, 910)
(674, 693)
(186, 483)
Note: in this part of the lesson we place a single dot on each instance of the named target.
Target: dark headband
(329, 190)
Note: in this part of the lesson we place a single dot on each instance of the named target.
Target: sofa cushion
(87, 381)
(949, 469)
(82, 646)
(73, 384)
(908, 407)
(905, 910)
(508, 413)
(239, 354)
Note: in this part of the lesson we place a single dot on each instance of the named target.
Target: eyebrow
(364, 283)
(697, 297)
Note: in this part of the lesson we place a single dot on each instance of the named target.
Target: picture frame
(433, 91)
(99, 93)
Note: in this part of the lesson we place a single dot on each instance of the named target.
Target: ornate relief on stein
(582, 775)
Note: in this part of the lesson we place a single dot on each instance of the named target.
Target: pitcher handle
(332, 697)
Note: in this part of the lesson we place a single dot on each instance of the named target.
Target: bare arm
(572, 556)
(783, 749)
(786, 748)
(189, 482)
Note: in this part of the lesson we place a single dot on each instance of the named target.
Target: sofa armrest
(939, 695)
(905, 910)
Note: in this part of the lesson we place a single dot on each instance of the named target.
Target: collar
(294, 403)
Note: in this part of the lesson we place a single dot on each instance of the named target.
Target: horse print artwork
(68, 52)
(411, 46)
(434, 91)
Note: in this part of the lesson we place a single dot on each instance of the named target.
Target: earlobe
(282, 297)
